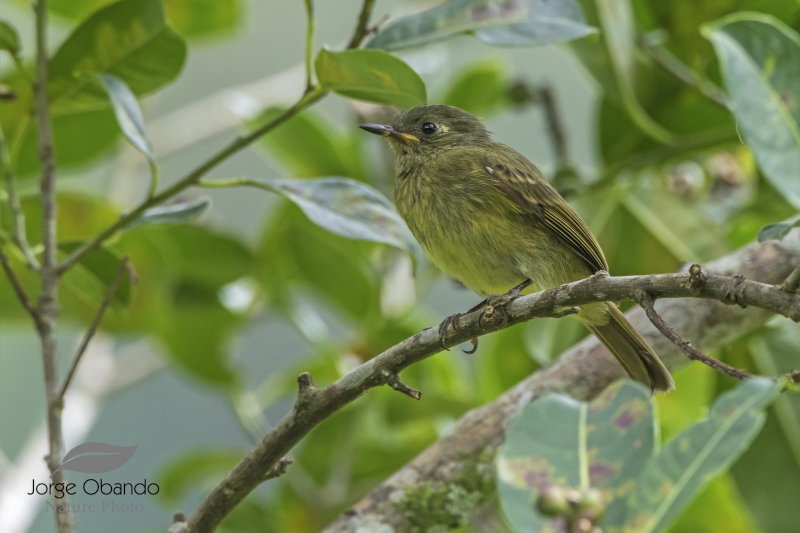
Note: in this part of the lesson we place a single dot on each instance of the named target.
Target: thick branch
(311, 409)
(48, 308)
(461, 464)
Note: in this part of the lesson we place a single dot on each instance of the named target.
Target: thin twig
(686, 74)
(112, 290)
(18, 235)
(279, 469)
(395, 383)
(793, 281)
(686, 347)
(362, 26)
(309, 42)
(554, 126)
(17, 286)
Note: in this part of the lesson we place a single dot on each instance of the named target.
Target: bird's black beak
(388, 131)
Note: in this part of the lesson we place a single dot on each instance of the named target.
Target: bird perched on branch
(487, 217)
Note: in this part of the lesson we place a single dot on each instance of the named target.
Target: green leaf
(129, 39)
(129, 116)
(79, 135)
(297, 256)
(80, 217)
(204, 18)
(9, 38)
(195, 469)
(308, 146)
(559, 441)
(370, 75)
(90, 278)
(619, 37)
(760, 61)
(481, 89)
(197, 256)
(772, 499)
(191, 18)
(506, 23)
(776, 231)
(197, 332)
(691, 460)
(349, 208)
(174, 213)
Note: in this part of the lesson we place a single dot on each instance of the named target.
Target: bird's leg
(496, 302)
(452, 322)
(491, 303)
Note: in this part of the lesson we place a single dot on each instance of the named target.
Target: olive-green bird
(487, 217)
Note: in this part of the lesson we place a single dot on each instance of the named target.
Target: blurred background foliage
(632, 123)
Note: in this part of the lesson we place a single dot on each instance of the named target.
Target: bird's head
(431, 127)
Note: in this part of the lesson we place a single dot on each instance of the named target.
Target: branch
(309, 42)
(48, 308)
(112, 290)
(555, 126)
(685, 346)
(362, 29)
(315, 405)
(793, 280)
(17, 286)
(460, 465)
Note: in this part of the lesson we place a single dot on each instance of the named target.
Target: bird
(486, 216)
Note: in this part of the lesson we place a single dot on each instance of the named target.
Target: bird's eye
(428, 128)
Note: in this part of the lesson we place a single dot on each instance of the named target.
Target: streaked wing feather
(530, 193)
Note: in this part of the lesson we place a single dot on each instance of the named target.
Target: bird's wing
(525, 187)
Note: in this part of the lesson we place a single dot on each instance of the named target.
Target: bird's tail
(631, 350)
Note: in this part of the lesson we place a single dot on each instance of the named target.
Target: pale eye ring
(429, 128)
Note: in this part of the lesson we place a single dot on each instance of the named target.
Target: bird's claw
(495, 304)
(449, 322)
(474, 342)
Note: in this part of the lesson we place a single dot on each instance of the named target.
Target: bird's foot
(448, 323)
(495, 304)
(474, 342)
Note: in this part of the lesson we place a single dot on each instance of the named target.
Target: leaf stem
(309, 42)
(154, 174)
(685, 73)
